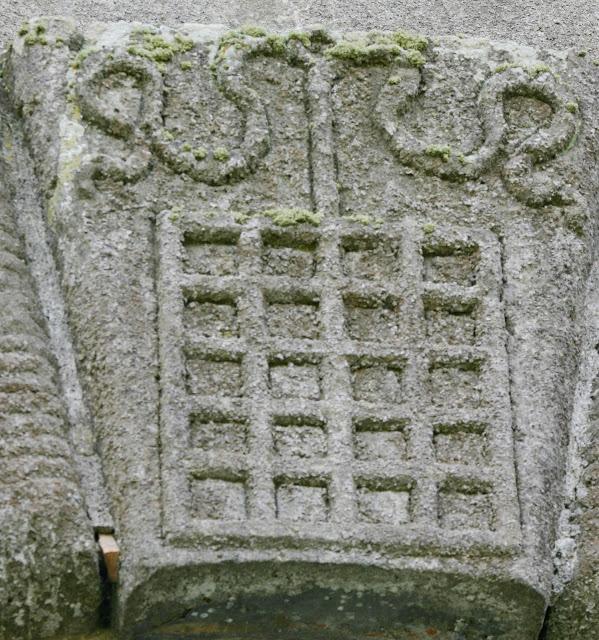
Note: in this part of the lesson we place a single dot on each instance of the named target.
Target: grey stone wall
(573, 23)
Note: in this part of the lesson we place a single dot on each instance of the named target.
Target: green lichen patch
(276, 44)
(82, 56)
(271, 44)
(33, 34)
(410, 40)
(381, 48)
(428, 228)
(533, 71)
(300, 36)
(252, 30)
(283, 217)
(572, 107)
(199, 153)
(538, 69)
(374, 50)
(156, 48)
(185, 65)
(221, 154)
(365, 220)
(439, 151)
(504, 66)
(32, 39)
(415, 58)
(231, 39)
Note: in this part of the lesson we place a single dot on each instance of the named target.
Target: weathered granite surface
(543, 23)
(48, 567)
(319, 308)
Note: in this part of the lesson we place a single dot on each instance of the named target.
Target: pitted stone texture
(317, 368)
(48, 570)
(572, 23)
(323, 289)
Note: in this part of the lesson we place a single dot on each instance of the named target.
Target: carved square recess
(334, 384)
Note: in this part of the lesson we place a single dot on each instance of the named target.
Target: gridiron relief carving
(335, 374)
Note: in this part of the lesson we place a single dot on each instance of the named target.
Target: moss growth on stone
(394, 80)
(283, 217)
(252, 30)
(439, 151)
(31, 40)
(302, 37)
(373, 48)
(185, 65)
(291, 217)
(186, 147)
(572, 107)
(415, 58)
(157, 49)
(428, 228)
(199, 153)
(277, 44)
(145, 30)
(364, 54)
(504, 66)
(410, 40)
(221, 154)
(82, 55)
(34, 34)
(381, 48)
(538, 69)
(319, 35)
(532, 71)
(23, 29)
(365, 220)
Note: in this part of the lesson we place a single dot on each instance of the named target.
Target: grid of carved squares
(370, 315)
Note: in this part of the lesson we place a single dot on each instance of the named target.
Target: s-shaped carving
(519, 169)
(123, 95)
(255, 144)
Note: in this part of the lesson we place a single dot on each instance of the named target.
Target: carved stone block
(323, 291)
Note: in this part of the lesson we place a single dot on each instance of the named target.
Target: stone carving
(141, 119)
(365, 360)
(47, 553)
(220, 165)
(532, 187)
(323, 291)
